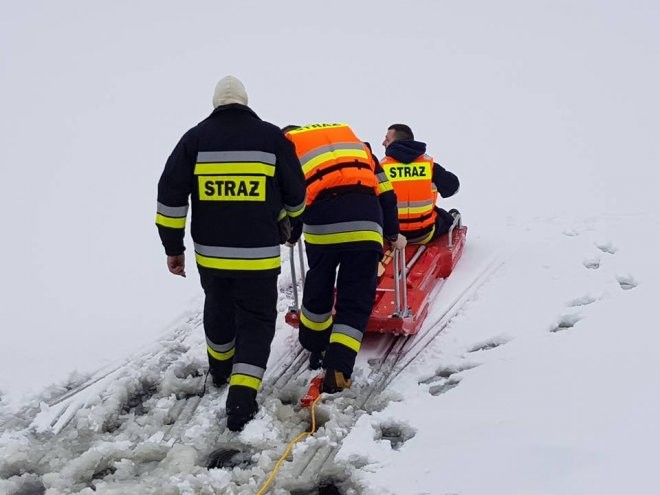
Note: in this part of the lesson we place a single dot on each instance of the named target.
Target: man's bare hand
(177, 264)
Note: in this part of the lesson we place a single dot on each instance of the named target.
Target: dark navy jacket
(236, 209)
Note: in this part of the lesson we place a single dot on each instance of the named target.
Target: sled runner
(406, 280)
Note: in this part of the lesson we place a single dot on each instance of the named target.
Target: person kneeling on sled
(417, 180)
(350, 208)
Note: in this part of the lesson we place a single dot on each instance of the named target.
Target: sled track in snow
(139, 423)
(399, 354)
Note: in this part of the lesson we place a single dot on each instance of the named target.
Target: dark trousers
(241, 311)
(443, 222)
(356, 290)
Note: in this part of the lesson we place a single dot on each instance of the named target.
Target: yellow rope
(304, 434)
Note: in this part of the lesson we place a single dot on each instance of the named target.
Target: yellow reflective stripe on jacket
(235, 264)
(384, 184)
(344, 237)
(338, 155)
(342, 232)
(172, 223)
(312, 127)
(295, 211)
(415, 207)
(173, 217)
(245, 156)
(234, 169)
(238, 258)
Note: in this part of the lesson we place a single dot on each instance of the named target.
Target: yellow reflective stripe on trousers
(245, 381)
(234, 168)
(220, 356)
(345, 340)
(172, 223)
(238, 264)
(318, 326)
(342, 237)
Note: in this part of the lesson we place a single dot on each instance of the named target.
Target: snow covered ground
(541, 378)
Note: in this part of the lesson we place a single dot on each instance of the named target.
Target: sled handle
(455, 223)
(294, 283)
(294, 278)
(400, 284)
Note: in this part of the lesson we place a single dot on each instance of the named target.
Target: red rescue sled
(406, 280)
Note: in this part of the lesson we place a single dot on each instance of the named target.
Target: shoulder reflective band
(232, 188)
(410, 171)
(343, 232)
(237, 258)
(173, 217)
(335, 151)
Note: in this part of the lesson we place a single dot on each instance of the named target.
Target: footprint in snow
(582, 301)
(592, 262)
(607, 247)
(565, 322)
(444, 379)
(395, 433)
(489, 344)
(626, 282)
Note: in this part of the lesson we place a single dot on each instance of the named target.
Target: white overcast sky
(540, 107)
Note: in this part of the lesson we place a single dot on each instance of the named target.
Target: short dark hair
(289, 127)
(401, 131)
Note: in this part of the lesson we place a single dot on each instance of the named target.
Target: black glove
(296, 231)
(285, 229)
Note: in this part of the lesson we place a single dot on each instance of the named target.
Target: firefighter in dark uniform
(245, 182)
(351, 207)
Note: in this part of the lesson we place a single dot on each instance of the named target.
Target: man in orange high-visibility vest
(350, 209)
(417, 181)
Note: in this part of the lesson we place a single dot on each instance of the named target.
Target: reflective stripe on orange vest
(416, 194)
(332, 156)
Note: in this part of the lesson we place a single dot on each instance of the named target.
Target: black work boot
(335, 381)
(455, 213)
(241, 407)
(220, 376)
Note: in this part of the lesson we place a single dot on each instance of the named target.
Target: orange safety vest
(415, 191)
(332, 156)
